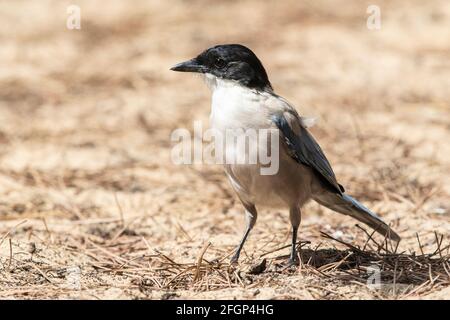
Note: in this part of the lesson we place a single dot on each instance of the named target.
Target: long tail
(349, 206)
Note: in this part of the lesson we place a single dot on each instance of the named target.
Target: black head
(231, 62)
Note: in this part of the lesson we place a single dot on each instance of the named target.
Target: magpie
(243, 97)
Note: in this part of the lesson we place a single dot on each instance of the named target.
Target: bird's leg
(250, 218)
(295, 217)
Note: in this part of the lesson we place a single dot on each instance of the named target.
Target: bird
(243, 97)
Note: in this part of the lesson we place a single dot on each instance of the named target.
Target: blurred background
(86, 117)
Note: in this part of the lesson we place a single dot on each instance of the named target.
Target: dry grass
(88, 187)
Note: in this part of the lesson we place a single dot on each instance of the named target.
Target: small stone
(439, 211)
(258, 268)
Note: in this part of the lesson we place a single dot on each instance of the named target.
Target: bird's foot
(292, 262)
(234, 259)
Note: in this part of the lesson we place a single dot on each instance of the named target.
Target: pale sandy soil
(92, 206)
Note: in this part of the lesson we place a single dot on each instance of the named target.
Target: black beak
(189, 66)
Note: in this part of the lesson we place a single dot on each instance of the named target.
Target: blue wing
(305, 150)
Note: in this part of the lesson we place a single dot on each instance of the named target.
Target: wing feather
(304, 149)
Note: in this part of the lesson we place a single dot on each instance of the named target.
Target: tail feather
(347, 205)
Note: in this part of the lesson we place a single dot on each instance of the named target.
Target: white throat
(215, 83)
(234, 105)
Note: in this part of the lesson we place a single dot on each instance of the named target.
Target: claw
(291, 262)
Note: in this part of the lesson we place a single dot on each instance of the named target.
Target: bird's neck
(235, 106)
(214, 83)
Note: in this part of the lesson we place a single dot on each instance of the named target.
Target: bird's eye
(219, 63)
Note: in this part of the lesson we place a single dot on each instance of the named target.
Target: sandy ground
(92, 206)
